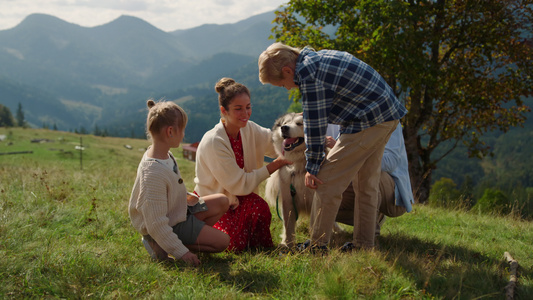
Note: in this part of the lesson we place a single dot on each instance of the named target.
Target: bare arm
(276, 164)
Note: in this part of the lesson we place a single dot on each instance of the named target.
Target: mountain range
(76, 77)
(82, 79)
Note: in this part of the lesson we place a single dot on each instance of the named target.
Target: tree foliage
(444, 193)
(461, 68)
(493, 200)
(6, 118)
(21, 122)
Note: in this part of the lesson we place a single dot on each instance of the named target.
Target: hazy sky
(167, 15)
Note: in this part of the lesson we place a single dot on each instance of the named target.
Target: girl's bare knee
(223, 201)
(223, 242)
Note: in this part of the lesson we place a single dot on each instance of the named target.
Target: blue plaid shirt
(338, 88)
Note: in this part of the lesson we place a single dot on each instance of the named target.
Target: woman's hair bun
(223, 83)
(150, 103)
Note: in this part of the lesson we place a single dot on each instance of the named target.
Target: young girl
(171, 221)
(230, 160)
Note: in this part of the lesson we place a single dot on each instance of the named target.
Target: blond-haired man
(337, 88)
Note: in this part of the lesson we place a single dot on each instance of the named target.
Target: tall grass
(65, 233)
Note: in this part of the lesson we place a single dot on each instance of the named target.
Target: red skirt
(248, 225)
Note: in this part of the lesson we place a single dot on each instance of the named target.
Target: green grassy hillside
(65, 233)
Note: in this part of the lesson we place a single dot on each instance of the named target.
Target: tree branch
(509, 289)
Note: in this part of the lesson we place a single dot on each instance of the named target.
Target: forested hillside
(509, 170)
(510, 163)
(77, 78)
(201, 104)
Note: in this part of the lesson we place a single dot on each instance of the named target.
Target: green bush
(493, 201)
(444, 193)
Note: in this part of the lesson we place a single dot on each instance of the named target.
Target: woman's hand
(235, 203)
(277, 163)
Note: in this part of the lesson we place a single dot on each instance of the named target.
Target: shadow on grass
(247, 277)
(450, 271)
(438, 270)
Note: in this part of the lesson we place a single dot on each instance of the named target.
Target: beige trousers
(354, 158)
(350, 214)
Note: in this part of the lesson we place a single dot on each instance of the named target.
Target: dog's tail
(272, 189)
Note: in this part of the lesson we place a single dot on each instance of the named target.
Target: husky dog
(286, 188)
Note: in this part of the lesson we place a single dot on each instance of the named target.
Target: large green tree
(461, 68)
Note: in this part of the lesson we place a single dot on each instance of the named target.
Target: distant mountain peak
(130, 23)
(43, 20)
(41, 17)
(129, 19)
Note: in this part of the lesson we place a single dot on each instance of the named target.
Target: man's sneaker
(284, 250)
(348, 247)
(149, 249)
(302, 246)
(322, 250)
(314, 249)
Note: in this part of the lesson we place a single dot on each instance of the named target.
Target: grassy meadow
(65, 233)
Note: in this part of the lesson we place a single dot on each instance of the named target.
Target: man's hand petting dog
(311, 181)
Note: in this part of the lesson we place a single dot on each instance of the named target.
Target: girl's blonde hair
(275, 57)
(162, 114)
(227, 89)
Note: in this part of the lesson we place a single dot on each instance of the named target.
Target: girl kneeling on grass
(171, 220)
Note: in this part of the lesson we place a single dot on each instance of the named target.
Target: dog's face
(288, 133)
